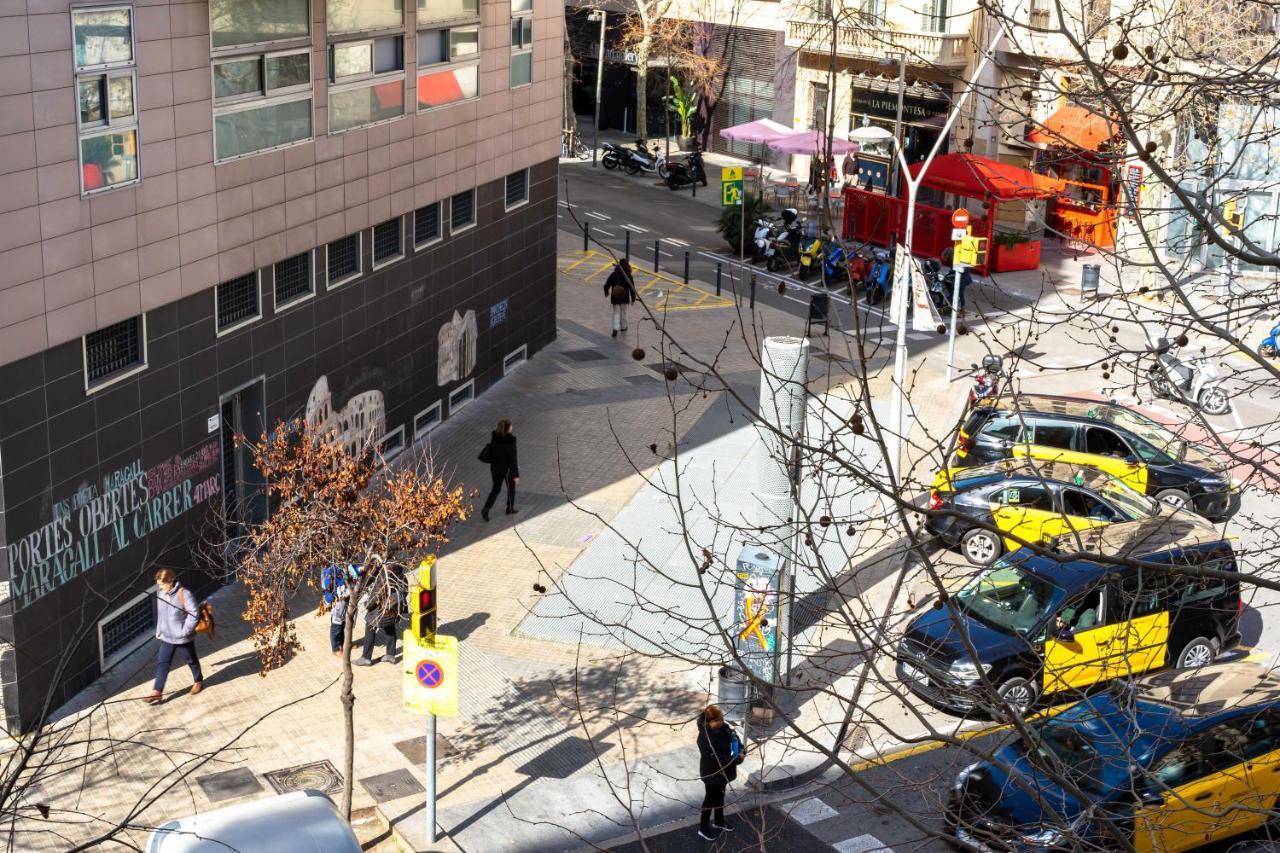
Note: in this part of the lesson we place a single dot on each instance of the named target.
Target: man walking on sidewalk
(621, 290)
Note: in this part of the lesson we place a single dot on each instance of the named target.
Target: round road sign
(960, 218)
(429, 674)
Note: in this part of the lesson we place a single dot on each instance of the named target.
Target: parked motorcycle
(1269, 348)
(784, 247)
(681, 173)
(859, 266)
(834, 267)
(811, 253)
(641, 159)
(986, 379)
(940, 285)
(879, 277)
(614, 155)
(1194, 381)
(761, 239)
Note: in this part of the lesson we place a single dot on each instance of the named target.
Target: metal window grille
(392, 443)
(426, 420)
(113, 349)
(386, 240)
(237, 300)
(293, 277)
(426, 223)
(120, 632)
(344, 257)
(462, 209)
(517, 187)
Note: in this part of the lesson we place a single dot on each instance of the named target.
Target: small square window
(237, 301)
(114, 351)
(426, 224)
(521, 32)
(102, 37)
(387, 238)
(518, 6)
(293, 279)
(462, 211)
(426, 420)
(517, 188)
(343, 259)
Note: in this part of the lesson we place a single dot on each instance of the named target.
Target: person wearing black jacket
(621, 290)
(503, 467)
(719, 754)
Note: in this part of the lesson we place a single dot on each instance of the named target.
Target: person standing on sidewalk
(337, 596)
(177, 612)
(503, 466)
(719, 754)
(621, 290)
(386, 603)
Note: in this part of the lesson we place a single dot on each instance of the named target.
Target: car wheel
(981, 547)
(1019, 694)
(1215, 401)
(1175, 498)
(1197, 653)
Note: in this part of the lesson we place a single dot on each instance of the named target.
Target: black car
(1040, 626)
(1113, 438)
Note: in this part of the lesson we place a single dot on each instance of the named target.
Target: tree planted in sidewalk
(338, 504)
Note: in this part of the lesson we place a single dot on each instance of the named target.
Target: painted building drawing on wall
(362, 419)
(457, 356)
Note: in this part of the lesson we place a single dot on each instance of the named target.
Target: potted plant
(1012, 252)
(730, 224)
(684, 104)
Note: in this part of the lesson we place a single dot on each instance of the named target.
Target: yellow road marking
(664, 292)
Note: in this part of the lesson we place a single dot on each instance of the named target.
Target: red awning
(1074, 127)
(972, 176)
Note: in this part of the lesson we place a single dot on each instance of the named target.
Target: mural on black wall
(457, 353)
(363, 417)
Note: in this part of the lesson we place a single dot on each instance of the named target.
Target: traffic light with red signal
(422, 603)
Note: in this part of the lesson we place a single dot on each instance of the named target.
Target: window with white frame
(391, 444)
(426, 225)
(462, 211)
(460, 396)
(388, 242)
(261, 75)
(115, 352)
(293, 280)
(342, 260)
(236, 302)
(517, 188)
(426, 420)
(366, 81)
(106, 79)
(448, 52)
(521, 42)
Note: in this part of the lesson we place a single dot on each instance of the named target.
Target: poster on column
(897, 286)
(925, 317)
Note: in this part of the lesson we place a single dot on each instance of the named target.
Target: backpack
(619, 293)
(204, 616)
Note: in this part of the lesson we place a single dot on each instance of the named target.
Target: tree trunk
(642, 85)
(348, 708)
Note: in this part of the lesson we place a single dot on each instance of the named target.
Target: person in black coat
(621, 290)
(503, 466)
(719, 754)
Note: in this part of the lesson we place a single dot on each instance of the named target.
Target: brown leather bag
(204, 617)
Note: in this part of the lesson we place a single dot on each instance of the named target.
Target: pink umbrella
(755, 132)
(811, 142)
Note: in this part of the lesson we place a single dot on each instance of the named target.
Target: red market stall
(1077, 150)
(876, 218)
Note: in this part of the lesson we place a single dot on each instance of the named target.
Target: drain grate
(319, 775)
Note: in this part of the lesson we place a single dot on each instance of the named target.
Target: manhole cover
(394, 785)
(415, 749)
(229, 784)
(319, 775)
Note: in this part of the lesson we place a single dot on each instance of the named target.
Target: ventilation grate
(293, 278)
(237, 300)
(462, 210)
(517, 187)
(426, 224)
(113, 349)
(386, 241)
(344, 258)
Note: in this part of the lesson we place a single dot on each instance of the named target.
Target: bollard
(686, 267)
(586, 236)
(655, 255)
(719, 272)
(627, 253)
(753, 291)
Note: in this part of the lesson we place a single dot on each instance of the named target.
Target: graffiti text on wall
(95, 524)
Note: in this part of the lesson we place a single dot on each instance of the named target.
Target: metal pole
(753, 291)
(586, 236)
(655, 255)
(686, 267)
(719, 272)
(955, 308)
(595, 148)
(627, 253)
(892, 189)
(431, 778)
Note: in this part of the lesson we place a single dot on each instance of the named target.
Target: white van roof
(298, 822)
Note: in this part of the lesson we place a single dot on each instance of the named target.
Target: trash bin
(819, 313)
(1089, 280)
(732, 691)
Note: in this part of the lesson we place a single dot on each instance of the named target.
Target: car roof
(300, 821)
(1036, 469)
(1211, 691)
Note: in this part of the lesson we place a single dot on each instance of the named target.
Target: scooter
(1195, 382)
(937, 281)
(784, 248)
(859, 266)
(834, 266)
(986, 379)
(684, 172)
(641, 159)
(761, 239)
(810, 255)
(614, 155)
(1269, 348)
(879, 277)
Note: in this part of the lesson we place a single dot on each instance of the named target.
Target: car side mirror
(1148, 797)
(1131, 459)
(1064, 634)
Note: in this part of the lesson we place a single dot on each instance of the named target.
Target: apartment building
(218, 215)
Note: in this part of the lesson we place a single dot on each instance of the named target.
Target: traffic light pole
(431, 778)
(958, 269)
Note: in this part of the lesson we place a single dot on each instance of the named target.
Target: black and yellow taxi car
(1171, 762)
(1041, 624)
(1113, 438)
(1030, 501)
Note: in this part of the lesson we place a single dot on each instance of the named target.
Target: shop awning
(1074, 127)
(972, 176)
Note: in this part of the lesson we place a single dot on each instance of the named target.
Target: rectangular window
(342, 260)
(462, 211)
(114, 352)
(344, 16)
(436, 89)
(426, 420)
(459, 397)
(452, 53)
(426, 225)
(293, 280)
(126, 628)
(388, 238)
(105, 95)
(237, 302)
(390, 445)
(517, 188)
(368, 82)
(447, 10)
(233, 23)
(521, 42)
(451, 44)
(253, 128)
(365, 104)
(515, 358)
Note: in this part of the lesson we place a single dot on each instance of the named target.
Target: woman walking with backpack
(500, 453)
(177, 613)
(621, 290)
(719, 754)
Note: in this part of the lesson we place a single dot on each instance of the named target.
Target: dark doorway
(243, 499)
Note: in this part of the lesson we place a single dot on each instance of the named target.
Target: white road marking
(665, 252)
(599, 216)
(810, 811)
(675, 241)
(604, 232)
(862, 844)
(567, 204)
(635, 228)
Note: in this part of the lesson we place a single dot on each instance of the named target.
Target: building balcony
(945, 50)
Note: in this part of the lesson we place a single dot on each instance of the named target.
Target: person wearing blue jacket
(177, 612)
(337, 597)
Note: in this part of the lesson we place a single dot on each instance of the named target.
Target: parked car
(298, 822)
(1173, 761)
(1110, 437)
(1030, 502)
(1039, 626)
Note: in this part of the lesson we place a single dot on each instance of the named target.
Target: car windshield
(1008, 598)
(1128, 501)
(1148, 430)
(1092, 755)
